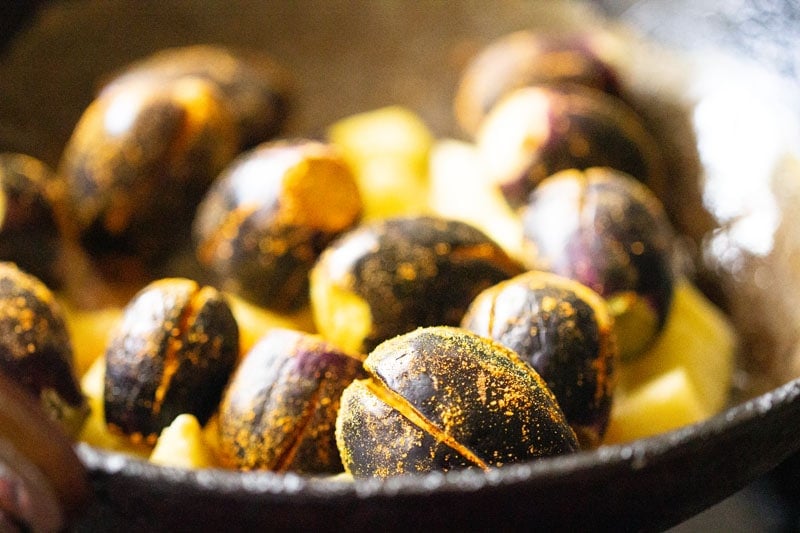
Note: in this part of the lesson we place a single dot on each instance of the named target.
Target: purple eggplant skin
(256, 88)
(408, 272)
(443, 398)
(30, 235)
(279, 410)
(537, 131)
(565, 331)
(172, 353)
(35, 347)
(269, 215)
(608, 231)
(525, 57)
(138, 162)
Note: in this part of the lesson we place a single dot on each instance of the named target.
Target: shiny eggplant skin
(30, 235)
(391, 276)
(536, 131)
(256, 88)
(35, 347)
(443, 398)
(137, 164)
(526, 57)
(608, 231)
(565, 331)
(269, 215)
(172, 353)
(279, 410)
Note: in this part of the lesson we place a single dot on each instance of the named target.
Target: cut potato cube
(344, 318)
(89, 332)
(667, 402)
(394, 132)
(390, 189)
(182, 444)
(388, 150)
(460, 190)
(255, 321)
(698, 338)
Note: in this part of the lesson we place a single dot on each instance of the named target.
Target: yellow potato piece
(698, 338)
(340, 315)
(89, 331)
(388, 150)
(392, 131)
(461, 190)
(667, 402)
(255, 321)
(182, 444)
(390, 189)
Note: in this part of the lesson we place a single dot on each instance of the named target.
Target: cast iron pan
(354, 56)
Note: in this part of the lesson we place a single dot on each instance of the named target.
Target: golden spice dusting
(394, 273)
(563, 329)
(279, 409)
(296, 428)
(403, 406)
(474, 402)
(172, 354)
(139, 159)
(213, 245)
(267, 219)
(36, 349)
(369, 423)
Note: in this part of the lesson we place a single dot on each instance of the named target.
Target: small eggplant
(394, 275)
(269, 215)
(608, 231)
(443, 398)
(537, 131)
(279, 410)
(564, 330)
(254, 86)
(526, 57)
(35, 347)
(139, 161)
(30, 234)
(173, 351)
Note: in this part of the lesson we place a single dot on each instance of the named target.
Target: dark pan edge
(636, 485)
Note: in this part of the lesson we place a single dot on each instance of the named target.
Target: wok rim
(634, 458)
